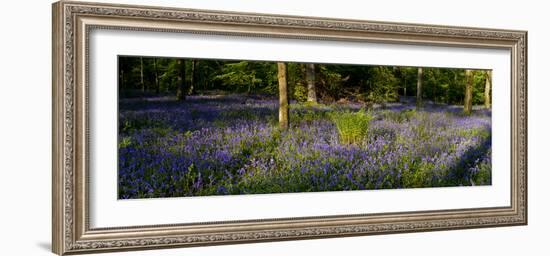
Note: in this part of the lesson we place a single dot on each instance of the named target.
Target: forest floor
(231, 144)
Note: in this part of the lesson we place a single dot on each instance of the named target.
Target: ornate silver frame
(72, 21)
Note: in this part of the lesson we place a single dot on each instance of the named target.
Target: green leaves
(125, 142)
(384, 85)
(352, 126)
(246, 76)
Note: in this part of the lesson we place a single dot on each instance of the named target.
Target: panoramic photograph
(207, 127)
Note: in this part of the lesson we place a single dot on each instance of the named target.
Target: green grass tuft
(352, 126)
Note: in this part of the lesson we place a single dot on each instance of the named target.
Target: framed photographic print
(179, 127)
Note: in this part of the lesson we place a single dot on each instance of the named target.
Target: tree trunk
(181, 91)
(141, 74)
(310, 77)
(419, 89)
(468, 92)
(193, 76)
(157, 84)
(121, 84)
(487, 93)
(283, 95)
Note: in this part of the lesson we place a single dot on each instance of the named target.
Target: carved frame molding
(72, 22)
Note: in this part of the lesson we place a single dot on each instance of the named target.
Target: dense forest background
(139, 76)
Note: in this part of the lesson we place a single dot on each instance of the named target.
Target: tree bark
(310, 77)
(141, 74)
(468, 92)
(419, 102)
(157, 84)
(193, 76)
(121, 84)
(181, 91)
(487, 93)
(283, 95)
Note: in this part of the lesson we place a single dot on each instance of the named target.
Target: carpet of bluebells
(218, 145)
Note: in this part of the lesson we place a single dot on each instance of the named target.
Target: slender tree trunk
(121, 84)
(283, 95)
(310, 77)
(141, 74)
(204, 77)
(157, 84)
(468, 92)
(487, 93)
(454, 84)
(193, 76)
(419, 89)
(181, 91)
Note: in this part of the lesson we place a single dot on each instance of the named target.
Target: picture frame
(73, 22)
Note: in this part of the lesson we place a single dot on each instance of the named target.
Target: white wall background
(25, 114)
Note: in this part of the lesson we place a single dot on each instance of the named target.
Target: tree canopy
(306, 81)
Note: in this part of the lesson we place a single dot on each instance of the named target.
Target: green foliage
(352, 126)
(307, 112)
(296, 82)
(470, 133)
(444, 85)
(407, 77)
(312, 104)
(418, 175)
(478, 87)
(384, 85)
(168, 78)
(241, 75)
(398, 116)
(483, 174)
(300, 93)
(370, 84)
(247, 76)
(125, 142)
(129, 125)
(331, 82)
